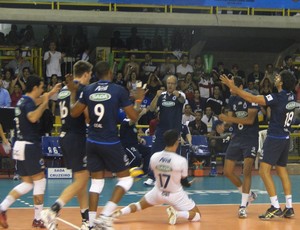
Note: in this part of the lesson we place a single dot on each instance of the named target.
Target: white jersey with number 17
(169, 168)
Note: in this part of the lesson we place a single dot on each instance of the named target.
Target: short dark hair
(81, 67)
(238, 81)
(26, 68)
(170, 137)
(101, 69)
(288, 80)
(31, 82)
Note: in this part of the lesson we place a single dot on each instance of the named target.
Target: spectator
(153, 84)
(216, 101)
(197, 127)
(131, 66)
(236, 72)
(167, 68)
(53, 98)
(119, 79)
(188, 86)
(187, 116)
(183, 68)
(270, 72)
(5, 100)
(8, 75)
(256, 76)
(209, 118)
(196, 101)
(251, 88)
(205, 85)
(198, 68)
(12, 36)
(53, 59)
(134, 42)
(18, 63)
(147, 67)
(15, 95)
(116, 42)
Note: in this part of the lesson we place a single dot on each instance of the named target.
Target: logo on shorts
(42, 163)
(99, 96)
(84, 162)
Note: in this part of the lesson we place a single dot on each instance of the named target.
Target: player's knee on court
(125, 182)
(39, 187)
(23, 188)
(97, 185)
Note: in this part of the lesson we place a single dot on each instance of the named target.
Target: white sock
(7, 202)
(183, 214)
(92, 217)
(109, 208)
(61, 203)
(240, 189)
(126, 210)
(274, 201)
(245, 197)
(37, 211)
(288, 201)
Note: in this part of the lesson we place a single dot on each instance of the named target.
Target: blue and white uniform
(276, 145)
(27, 133)
(104, 149)
(73, 133)
(244, 141)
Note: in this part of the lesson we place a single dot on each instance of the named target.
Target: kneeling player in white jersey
(170, 171)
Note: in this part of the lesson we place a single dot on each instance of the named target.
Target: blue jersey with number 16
(103, 99)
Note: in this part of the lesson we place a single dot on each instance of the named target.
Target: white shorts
(179, 200)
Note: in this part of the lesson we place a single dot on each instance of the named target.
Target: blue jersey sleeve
(271, 99)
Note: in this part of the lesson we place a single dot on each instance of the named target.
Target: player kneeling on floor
(170, 171)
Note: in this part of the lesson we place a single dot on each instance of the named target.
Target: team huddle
(88, 156)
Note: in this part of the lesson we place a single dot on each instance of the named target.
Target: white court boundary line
(68, 223)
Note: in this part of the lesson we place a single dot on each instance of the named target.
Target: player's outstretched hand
(229, 82)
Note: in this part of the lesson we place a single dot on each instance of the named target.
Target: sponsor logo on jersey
(269, 97)
(17, 111)
(164, 168)
(99, 96)
(168, 103)
(241, 114)
(291, 105)
(64, 94)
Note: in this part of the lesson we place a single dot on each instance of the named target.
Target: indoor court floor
(217, 199)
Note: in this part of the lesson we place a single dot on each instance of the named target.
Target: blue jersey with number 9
(103, 99)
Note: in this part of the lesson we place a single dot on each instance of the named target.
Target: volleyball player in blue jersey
(276, 146)
(104, 150)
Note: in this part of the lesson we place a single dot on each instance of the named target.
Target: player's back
(169, 168)
(282, 106)
(240, 109)
(103, 100)
(70, 124)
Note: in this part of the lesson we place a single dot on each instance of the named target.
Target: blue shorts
(73, 149)
(275, 151)
(111, 157)
(33, 163)
(240, 148)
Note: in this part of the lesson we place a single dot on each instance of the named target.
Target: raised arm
(259, 99)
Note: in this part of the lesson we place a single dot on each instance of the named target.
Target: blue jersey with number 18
(103, 99)
(282, 113)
